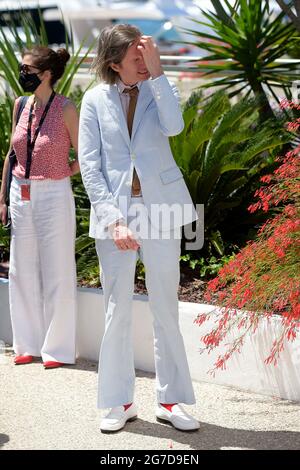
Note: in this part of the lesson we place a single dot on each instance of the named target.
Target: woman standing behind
(42, 273)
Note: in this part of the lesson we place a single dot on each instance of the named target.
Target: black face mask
(29, 81)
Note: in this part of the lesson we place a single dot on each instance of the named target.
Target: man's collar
(121, 87)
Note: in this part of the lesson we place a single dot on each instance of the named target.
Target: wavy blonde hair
(113, 44)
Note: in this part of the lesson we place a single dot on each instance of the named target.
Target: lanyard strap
(31, 144)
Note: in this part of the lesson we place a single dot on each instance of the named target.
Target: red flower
(263, 278)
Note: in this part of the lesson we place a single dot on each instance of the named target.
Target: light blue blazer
(107, 155)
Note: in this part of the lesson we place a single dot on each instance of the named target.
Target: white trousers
(116, 361)
(42, 273)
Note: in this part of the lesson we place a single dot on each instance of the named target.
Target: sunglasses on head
(27, 68)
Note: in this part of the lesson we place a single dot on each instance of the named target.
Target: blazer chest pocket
(170, 175)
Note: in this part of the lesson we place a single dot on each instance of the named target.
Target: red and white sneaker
(177, 416)
(117, 418)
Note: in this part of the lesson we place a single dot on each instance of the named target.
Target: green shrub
(222, 152)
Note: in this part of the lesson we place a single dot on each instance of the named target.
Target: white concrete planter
(245, 371)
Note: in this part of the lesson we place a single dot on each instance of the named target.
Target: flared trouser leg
(116, 360)
(161, 261)
(42, 270)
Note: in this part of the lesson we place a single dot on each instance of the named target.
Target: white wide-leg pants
(42, 274)
(116, 361)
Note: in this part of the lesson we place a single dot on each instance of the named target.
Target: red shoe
(23, 360)
(168, 406)
(53, 364)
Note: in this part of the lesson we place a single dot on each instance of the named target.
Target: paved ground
(56, 409)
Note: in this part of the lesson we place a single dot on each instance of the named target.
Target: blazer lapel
(144, 99)
(114, 106)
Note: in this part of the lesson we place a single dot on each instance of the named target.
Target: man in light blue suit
(139, 202)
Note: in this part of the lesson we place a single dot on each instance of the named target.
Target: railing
(179, 63)
(184, 63)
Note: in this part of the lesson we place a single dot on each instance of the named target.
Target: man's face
(132, 69)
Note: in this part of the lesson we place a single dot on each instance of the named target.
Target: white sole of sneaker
(109, 431)
(166, 421)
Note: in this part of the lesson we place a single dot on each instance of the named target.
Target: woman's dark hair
(113, 44)
(47, 59)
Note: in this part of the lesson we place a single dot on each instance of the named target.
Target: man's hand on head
(151, 56)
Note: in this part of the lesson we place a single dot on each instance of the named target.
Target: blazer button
(133, 157)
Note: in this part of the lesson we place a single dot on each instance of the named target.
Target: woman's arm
(71, 119)
(3, 207)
